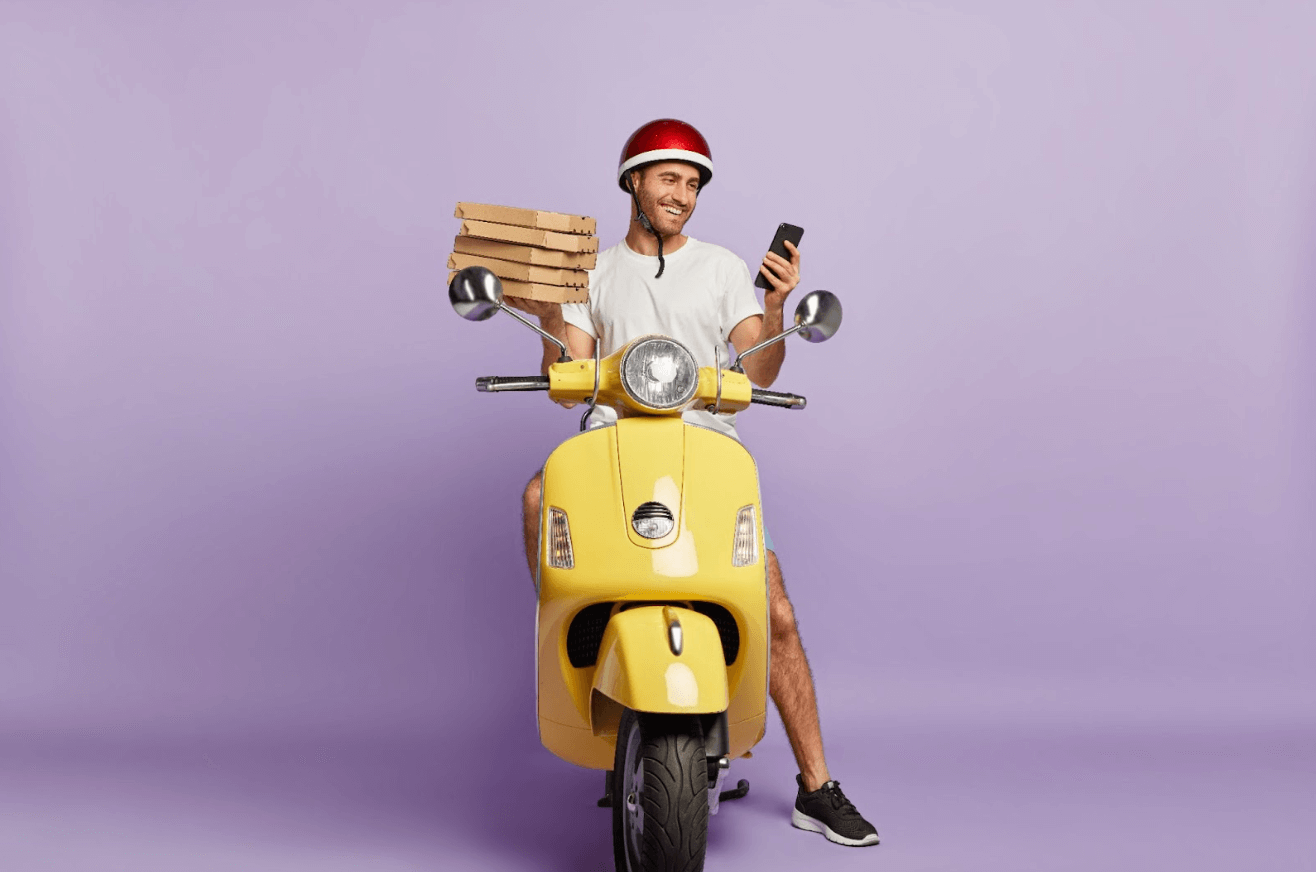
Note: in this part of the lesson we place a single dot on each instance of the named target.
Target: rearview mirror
(818, 316)
(476, 293)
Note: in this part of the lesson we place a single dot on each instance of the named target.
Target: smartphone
(784, 232)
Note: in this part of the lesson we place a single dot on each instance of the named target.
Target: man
(659, 280)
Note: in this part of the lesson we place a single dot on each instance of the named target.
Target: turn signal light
(560, 555)
(745, 549)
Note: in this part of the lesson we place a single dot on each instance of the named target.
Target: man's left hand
(783, 275)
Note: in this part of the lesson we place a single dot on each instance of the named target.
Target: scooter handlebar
(492, 383)
(773, 398)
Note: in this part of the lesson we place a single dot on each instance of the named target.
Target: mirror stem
(737, 367)
(564, 358)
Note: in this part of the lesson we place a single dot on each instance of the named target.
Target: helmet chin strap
(647, 225)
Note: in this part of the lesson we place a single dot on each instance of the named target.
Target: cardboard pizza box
(569, 242)
(522, 272)
(533, 291)
(523, 253)
(557, 221)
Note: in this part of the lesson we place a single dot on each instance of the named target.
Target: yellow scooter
(653, 628)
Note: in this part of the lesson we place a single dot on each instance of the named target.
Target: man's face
(667, 194)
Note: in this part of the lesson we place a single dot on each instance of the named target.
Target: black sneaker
(827, 811)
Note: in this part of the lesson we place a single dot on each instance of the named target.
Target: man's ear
(632, 180)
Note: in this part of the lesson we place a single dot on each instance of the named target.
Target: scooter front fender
(637, 668)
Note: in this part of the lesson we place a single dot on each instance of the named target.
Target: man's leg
(791, 683)
(820, 806)
(531, 507)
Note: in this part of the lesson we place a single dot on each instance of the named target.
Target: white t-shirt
(704, 292)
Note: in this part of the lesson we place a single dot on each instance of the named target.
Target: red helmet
(666, 139)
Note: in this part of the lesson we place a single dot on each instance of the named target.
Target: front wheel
(659, 794)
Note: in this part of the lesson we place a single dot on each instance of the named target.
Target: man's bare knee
(780, 611)
(532, 500)
(782, 615)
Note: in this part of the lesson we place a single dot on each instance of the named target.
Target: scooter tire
(669, 807)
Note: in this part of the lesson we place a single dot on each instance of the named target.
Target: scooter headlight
(659, 373)
(653, 520)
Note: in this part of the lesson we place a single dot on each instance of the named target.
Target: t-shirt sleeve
(578, 314)
(738, 299)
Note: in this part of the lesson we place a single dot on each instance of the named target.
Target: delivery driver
(658, 280)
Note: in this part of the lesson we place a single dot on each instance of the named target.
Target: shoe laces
(838, 800)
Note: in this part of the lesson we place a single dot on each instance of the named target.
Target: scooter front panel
(598, 479)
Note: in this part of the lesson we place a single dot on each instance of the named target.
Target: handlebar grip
(492, 383)
(773, 398)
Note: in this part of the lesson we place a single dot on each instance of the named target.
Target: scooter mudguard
(661, 659)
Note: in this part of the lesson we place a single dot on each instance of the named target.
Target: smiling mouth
(672, 210)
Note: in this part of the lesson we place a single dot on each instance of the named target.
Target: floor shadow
(497, 790)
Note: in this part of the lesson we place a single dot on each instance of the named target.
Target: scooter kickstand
(606, 802)
(741, 788)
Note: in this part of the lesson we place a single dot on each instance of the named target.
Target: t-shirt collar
(653, 258)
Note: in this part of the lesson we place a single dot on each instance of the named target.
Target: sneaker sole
(802, 821)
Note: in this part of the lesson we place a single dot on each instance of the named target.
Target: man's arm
(579, 343)
(783, 275)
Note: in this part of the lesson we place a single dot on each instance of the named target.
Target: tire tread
(675, 794)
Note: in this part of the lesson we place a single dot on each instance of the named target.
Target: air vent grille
(586, 634)
(726, 628)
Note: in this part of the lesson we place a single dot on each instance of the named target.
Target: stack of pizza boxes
(537, 255)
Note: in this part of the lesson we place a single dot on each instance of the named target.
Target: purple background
(1047, 521)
